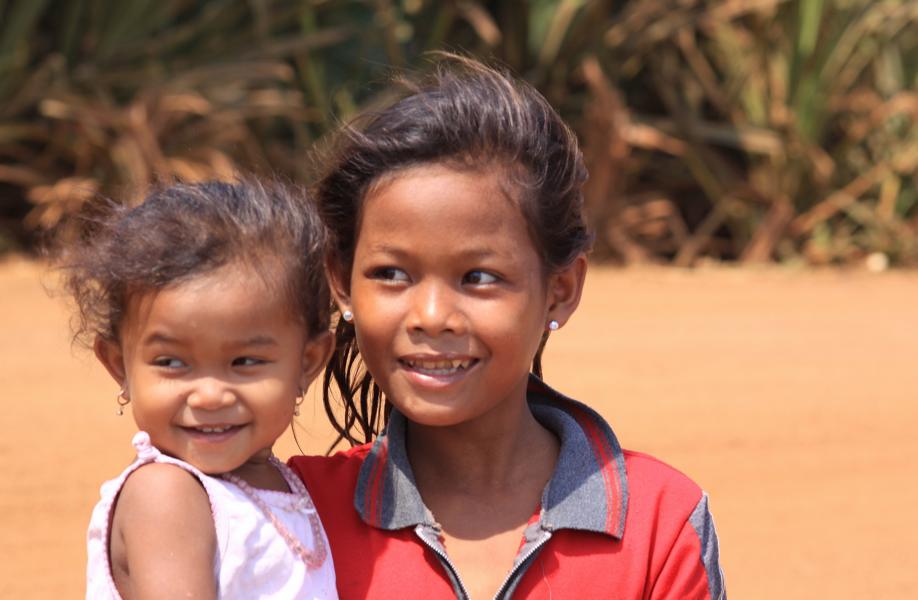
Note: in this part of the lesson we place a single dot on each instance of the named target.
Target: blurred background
(746, 130)
(753, 161)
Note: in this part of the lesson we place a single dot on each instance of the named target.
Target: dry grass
(745, 130)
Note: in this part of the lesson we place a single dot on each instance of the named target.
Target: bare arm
(163, 540)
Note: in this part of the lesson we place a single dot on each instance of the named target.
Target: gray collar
(588, 491)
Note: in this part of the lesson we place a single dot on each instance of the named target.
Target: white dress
(252, 559)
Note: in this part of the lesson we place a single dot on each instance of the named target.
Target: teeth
(213, 429)
(439, 367)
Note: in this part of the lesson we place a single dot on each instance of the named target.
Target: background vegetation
(748, 130)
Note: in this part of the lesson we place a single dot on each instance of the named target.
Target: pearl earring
(347, 315)
(297, 402)
(553, 325)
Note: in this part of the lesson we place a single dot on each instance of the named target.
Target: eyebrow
(162, 338)
(259, 340)
(399, 252)
(380, 248)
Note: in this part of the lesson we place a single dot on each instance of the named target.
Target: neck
(258, 472)
(489, 455)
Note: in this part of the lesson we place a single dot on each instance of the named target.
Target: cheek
(365, 297)
(275, 387)
(375, 319)
(372, 346)
(518, 343)
(528, 326)
(376, 344)
(153, 412)
(281, 414)
(273, 402)
(153, 395)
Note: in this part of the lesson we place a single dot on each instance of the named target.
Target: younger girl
(207, 305)
(457, 245)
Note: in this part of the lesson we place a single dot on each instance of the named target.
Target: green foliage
(732, 129)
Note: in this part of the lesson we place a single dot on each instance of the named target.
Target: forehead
(461, 206)
(230, 295)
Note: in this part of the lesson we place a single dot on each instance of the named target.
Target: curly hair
(184, 230)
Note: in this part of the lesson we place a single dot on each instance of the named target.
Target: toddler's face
(448, 294)
(213, 366)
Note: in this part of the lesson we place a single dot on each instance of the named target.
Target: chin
(433, 415)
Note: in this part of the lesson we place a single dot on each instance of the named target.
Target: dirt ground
(791, 397)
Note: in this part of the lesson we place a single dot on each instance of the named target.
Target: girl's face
(213, 366)
(448, 293)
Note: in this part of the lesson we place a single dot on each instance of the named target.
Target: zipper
(465, 595)
(520, 564)
(445, 560)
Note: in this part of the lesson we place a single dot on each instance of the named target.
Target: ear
(316, 353)
(339, 282)
(110, 354)
(565, 288)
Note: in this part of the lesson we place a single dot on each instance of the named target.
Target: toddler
(208, 306)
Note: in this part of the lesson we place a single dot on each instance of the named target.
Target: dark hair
(185, 230)
(470, 116)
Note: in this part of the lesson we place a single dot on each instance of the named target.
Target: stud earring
(122, 401)
(296, 405)
(347, 315)
(553, 325)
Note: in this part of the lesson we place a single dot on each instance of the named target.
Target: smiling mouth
(439, 367)
(212, 429)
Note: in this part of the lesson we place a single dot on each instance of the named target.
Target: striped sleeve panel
(703, 524)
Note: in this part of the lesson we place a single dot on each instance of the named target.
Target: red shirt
(612, 524)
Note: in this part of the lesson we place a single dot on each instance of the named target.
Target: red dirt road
(792, 397)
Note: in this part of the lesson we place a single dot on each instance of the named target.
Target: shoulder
(332, 483)
(162, 481)
(666, 509)
(651, 475)
(659, 492)
(162, 493)
(340, 466)
(163, 537)
(331, 480)
(588, 439)
(668, 515)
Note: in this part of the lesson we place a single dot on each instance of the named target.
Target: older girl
(457, 246)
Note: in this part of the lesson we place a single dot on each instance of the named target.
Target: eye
(479, 278)
(389, 274)
(247, 361)
(168, 362)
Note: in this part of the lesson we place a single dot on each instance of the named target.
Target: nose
(210, 394)
(437, 309)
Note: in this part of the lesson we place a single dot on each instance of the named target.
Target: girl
(457, 245)
(207, 304)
